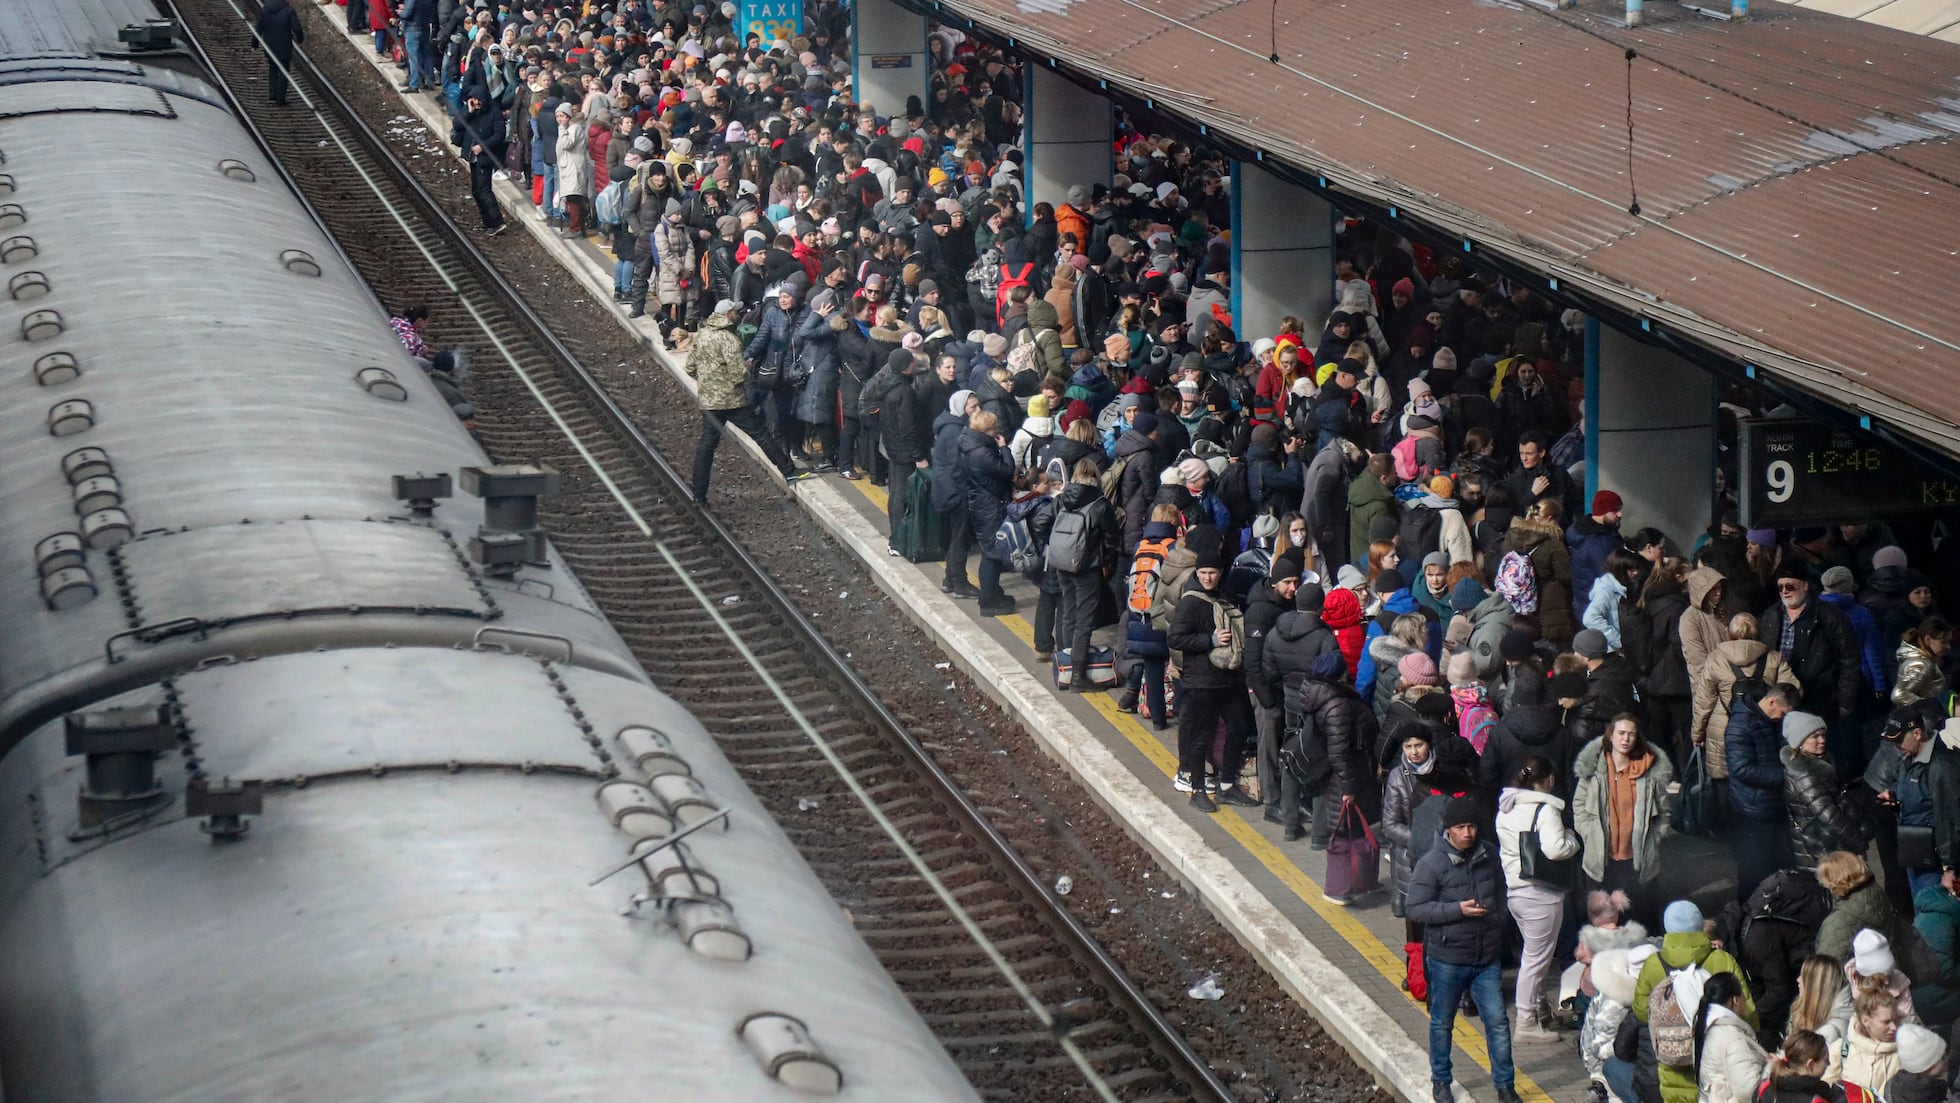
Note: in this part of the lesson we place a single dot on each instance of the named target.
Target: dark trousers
(357, 18)
(989, 578)
(1080, 590)
(1761, 848)
(487, 210)
(959, 545)
(1271, 723)
(275, 76)
(847, 442)
(1885, 822)
(713, 424)
(1044, 618)
(1670, 718)
(895, 495)
(1198, 713)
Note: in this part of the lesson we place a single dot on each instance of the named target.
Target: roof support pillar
(1069, 134)
(1654, 425)
(1282, 254)
(888, 56)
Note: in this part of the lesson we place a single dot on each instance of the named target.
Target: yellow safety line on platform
(1352, 931)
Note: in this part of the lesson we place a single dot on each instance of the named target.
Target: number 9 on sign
(1782, 480)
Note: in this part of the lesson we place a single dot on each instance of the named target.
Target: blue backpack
(1014, 542)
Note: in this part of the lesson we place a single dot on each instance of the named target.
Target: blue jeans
(622, 276)
(1485, 983)
(1619, 1078)
(550, 205)
(381, 44)
(413, 40)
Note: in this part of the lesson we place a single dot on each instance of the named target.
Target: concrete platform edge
(1375, 1040)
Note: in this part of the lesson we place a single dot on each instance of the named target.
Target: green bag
(921, 533)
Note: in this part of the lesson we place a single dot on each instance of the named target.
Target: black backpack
(1421, 533)
(1749, 686)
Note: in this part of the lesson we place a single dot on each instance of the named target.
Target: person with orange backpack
(1145, 641)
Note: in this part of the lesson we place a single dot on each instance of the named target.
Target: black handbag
(1916, 848)
(1562, 873)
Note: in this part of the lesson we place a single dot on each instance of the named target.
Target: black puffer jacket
(1295, 642)
(1136, 485)
(1443, 879)
(1262, 615)
(1657, 654)
(987, 476)
(1348, 728)
(1525, 731)
(1821, 819)
(902, 424)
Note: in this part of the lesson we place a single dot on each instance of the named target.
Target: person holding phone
(1457, 894)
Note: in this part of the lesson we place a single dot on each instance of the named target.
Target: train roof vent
(56, 367)
(59, 552)
(84, 464)
(651, 751)
(12, 215)
(42, 325)
(674, 872)
(67, 588)
(18, 248)
(107, 528)
(7, 185)
(28, 286)
(76, 415)
(235, 169)
(788, 1054)
(100, 493)
(381, 383)
(684, 797)
(300, 262)
(634, 809)
(709, 929)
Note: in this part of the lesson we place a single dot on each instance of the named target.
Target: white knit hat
(1871, 954)
(1919, 1048)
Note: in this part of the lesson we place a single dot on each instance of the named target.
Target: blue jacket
(1878, 677)
(1590, 543)
(1602, 612)
(1754, 751)
(1401, 601)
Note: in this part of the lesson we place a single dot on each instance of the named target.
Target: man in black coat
(1457, 893)
(1753, 746)
(1269, 601)
(1820, 648)
(895, 394)
(1610, 678)
(1324, 501)
(479, 130)
(279, 30)
(1101, 544)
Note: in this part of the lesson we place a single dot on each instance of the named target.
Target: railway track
(1008, 1036)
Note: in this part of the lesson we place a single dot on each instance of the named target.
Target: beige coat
(1700, 632)
(1714, 684)
(1731, 1061)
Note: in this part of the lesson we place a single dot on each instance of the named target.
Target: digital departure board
(1799, 472)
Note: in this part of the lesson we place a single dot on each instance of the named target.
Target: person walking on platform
(279, 30)
(1457, 894)
(715, 359)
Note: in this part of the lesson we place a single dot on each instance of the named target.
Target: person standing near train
(715, 360)
(278, 30)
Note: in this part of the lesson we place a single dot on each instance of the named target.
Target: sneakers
(894, 552)
(1530, 1029)
(1439, 1092)
(1203, 803)
(799, 476)
(497, 229)
(996, 606)
(1234, 795)
(824, 465)
(1044, 656)
(500, 174)
(1127, 702)
(1338, 901)
(1181, 781)
(849, 473)
(1293, 833)
(963, 590)
(1596, 1092)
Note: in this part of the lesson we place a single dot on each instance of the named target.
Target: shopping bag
(1694, 805)
(921, 533)
(1354, 861)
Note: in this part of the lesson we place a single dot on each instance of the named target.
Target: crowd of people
(1353, 562)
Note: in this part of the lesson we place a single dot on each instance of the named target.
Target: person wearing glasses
(1820, 648)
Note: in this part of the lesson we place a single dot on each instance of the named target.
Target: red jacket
(1342, 613)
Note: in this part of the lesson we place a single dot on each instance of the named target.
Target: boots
(1530, 1029)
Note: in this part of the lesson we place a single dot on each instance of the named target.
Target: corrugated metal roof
(1938, 18)
(1797, 174)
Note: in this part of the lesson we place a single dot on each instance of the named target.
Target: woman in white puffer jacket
(1529, 809)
